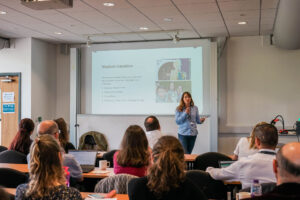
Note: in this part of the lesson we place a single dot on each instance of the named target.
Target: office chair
(210, 159)
(212, 189)
(11, 156)
(117, 182)
(11, 178)
(2, 148)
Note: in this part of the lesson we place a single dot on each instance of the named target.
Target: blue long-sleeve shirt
(187, 122)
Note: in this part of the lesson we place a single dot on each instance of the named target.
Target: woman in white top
(246, 145)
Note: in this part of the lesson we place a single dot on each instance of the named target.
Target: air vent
(47, 4)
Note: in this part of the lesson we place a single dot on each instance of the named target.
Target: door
(10, 106)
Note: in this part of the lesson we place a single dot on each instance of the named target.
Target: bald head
(288, 163)
(48, 127)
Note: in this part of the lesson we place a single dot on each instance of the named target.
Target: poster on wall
(8, 108)
(8, 96)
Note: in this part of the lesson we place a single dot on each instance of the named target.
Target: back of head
(252, 135)
(47, 127)
(288, 161)
(64, 134)
(151, 123)
(267, 134)
(21, 141)
(167, 171)
(134, 148)
(45, 166)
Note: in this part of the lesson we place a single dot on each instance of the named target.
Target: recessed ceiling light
(58, 33)
(3, 13)
(144, 28)
(242, 23)
(108, 4)
(167, 19)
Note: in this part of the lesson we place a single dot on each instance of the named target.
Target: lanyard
(268, 152)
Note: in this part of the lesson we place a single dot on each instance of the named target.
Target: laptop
(226, 163)
(86, 159)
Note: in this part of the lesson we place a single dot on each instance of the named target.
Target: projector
(47, 4)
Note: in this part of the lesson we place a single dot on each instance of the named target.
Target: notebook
(224, 164)
(86, 159)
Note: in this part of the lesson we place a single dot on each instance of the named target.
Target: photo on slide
(171, 91)
(174, 69)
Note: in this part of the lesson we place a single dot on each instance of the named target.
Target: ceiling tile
(266, 4)
(239, 5)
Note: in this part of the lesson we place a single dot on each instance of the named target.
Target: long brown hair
(182, 104)
(45, 166)
(134, 148)
(21, 141)
(167, 171)
(64, 135)
(252, 136)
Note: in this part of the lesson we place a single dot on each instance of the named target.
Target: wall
(257, 81)
(114, 126)
(18, 59)
(43, 80)
(63, 84)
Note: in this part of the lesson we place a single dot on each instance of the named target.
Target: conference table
(83, 194)
(96, 173)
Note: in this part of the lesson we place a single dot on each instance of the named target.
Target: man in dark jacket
(287, 170)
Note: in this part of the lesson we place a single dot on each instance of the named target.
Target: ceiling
(196, 18)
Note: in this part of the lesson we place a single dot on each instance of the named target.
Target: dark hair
(167, 171)
(151, 123)
(182, 104)
(267, 134)
(284, 164)
(134, 148)
(64, 134)
(21, 141)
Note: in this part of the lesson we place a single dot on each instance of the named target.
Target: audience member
(51, 128)
(153, 132)
(257, 166)
(134, 156)
(64, 135)
(287, 171)
(166, 177)
(47, 178)
(22, 141)
(246, 145)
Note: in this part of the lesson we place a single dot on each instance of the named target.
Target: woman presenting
(187, 116)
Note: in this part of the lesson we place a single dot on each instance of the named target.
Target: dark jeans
(187, 142)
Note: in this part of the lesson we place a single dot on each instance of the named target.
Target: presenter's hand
(202, 120)
(188, 110)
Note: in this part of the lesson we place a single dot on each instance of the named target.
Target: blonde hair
(182, 104)
(167, 171)
(45, 166)
(252, 136)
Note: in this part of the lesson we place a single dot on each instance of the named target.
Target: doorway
(10, 115)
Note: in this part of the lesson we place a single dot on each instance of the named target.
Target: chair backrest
(109, 156)
(266, 188)
(117, 182)
(210, 159)
(11, 178)
(2, 148)
(94, 138)
(10, 156)
(212, 189)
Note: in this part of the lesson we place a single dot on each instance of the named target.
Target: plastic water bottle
(256, 189)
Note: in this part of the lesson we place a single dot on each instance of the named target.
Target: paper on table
(100, 171)
(100, 198)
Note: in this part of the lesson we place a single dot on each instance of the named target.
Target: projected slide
(145, 81)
